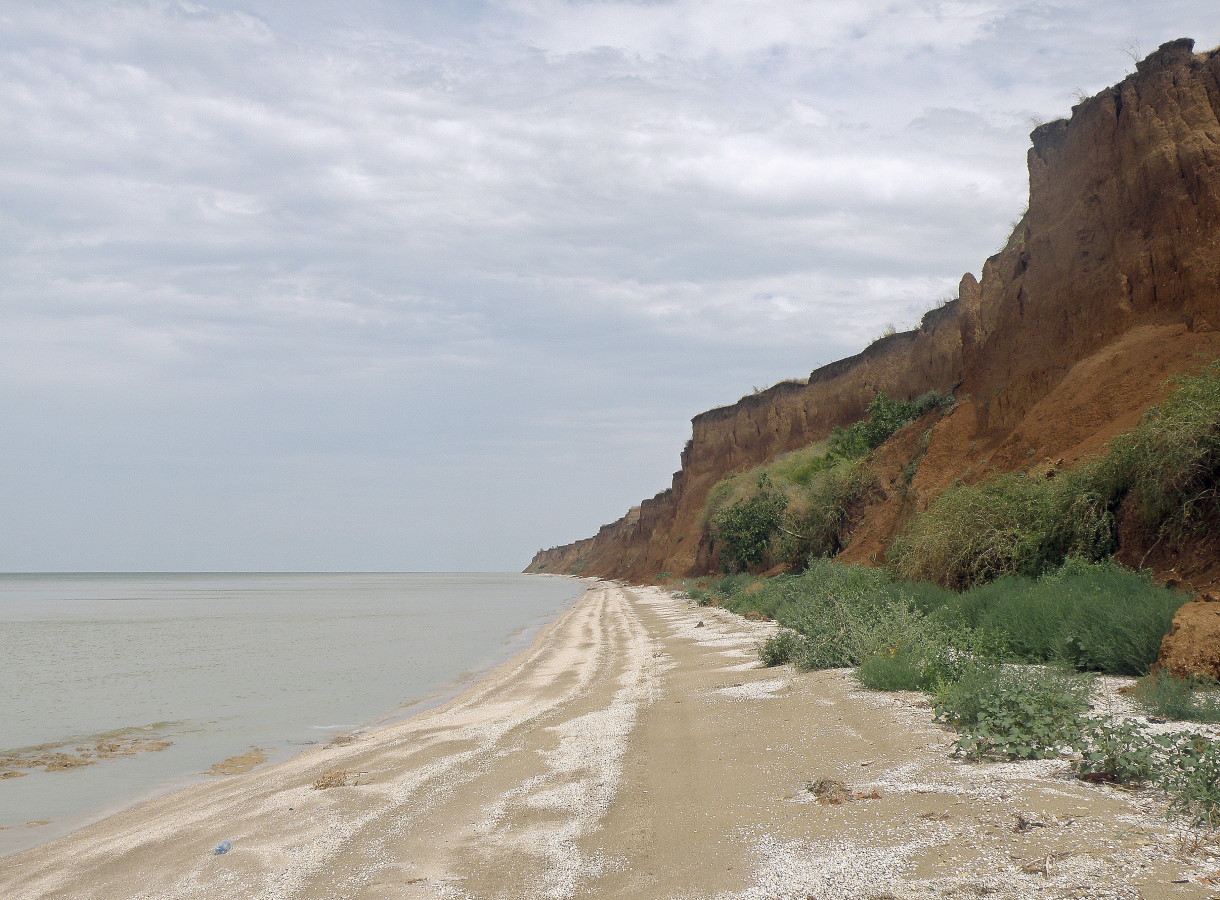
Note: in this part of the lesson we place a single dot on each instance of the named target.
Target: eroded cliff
(1109, 285)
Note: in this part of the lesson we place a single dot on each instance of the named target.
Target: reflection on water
(119, 686)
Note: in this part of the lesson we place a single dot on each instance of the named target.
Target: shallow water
(218, 663)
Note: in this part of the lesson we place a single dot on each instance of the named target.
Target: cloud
(379, 234)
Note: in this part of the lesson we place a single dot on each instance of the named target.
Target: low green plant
(1193, 699)
(1008, 525)
(1193, 781)
(1097, 617)
(1119, 752)
(783, 646)
(1014, 712)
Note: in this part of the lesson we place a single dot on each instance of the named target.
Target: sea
(126, 686)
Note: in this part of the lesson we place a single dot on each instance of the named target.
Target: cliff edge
(1108, 286)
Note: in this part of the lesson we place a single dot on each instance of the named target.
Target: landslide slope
(1108, 286)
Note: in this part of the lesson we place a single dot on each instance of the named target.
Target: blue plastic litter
(223, 847)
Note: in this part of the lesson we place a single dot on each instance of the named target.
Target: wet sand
(637, 750)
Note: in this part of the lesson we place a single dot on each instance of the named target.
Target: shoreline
(51, 827)
(635, 749)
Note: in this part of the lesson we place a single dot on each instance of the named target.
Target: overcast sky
(426, 285)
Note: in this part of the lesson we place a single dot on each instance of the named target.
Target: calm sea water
(217, 663)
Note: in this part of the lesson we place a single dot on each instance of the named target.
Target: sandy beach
(637, 750)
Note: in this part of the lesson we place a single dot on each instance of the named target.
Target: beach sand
(637, 750)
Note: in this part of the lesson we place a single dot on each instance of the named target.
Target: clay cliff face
(1109, 285)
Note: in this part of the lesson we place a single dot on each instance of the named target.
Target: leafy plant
(1118, 752)
(885, 417)
(1015, 713)
(1193, 782)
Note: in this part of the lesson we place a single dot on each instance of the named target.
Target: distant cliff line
(1108, 286)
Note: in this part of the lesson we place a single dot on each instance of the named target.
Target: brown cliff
(1109, 285)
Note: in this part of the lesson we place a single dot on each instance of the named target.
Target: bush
(817, 519)
(1095, 616)
(779, 648)
(846, 614)
(898, 669)
(745, 529)
(885, 417)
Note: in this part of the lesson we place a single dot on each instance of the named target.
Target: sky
(428, 285)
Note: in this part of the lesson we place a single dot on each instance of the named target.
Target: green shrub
(746, 528)
(1119, 752)
(1014, 713)
(800, 466)
(885, 417)
(1094, 616)
(779, 648)
(721, 591)
(818, 516)
(848, 613)
(1187, 699)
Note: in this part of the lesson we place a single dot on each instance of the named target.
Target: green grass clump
(721, 591)
(1185, 699)
(897, 669)
(1171, 461)
(818, 515)
(1008, 525)
(779, 648)
(1096, 617)
(843, 615)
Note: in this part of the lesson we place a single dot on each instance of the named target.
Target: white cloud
(404, 228)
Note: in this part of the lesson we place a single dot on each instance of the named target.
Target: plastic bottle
(223, 847)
